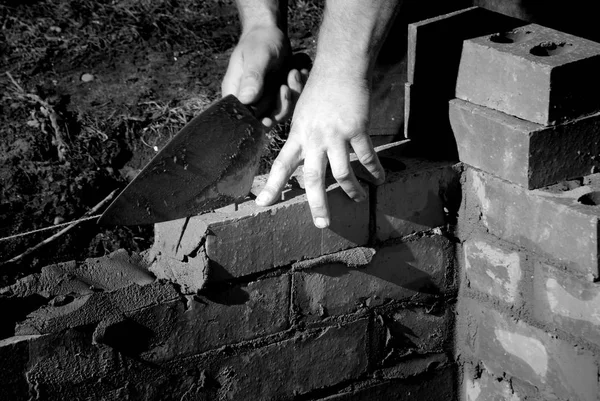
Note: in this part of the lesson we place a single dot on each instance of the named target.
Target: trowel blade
(210, 163)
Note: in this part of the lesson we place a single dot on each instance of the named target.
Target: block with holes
(532, 72)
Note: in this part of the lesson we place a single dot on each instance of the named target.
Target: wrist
(263, 14)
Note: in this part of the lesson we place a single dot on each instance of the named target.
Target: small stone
(87, 77)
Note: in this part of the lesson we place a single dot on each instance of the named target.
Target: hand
(261, 54)
(331, 115)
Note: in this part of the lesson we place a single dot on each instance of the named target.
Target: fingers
(284, 165)
(368, 157)
(314, 182)
(288, 97)
(231, 82)
(343, 174)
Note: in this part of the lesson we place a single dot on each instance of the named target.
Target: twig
(48, 111)
(61, 232)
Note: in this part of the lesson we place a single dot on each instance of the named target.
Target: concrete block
(532, 72)
(522, 152)
(515, 348)
(309, 361)
(413, 270)
(418, 198)
(559, 225)
(493, 269)
(567, 302)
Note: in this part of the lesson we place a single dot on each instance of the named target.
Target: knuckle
(343, 175)
(368, 159)
(311, 176)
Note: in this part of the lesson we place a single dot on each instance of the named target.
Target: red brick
(480, 385)
(429, 87)
(223, 317)
(522, 152)
(508, 346)
(507, 72)
(552, 224)
(190, 275)
(435, 386)
(493, 269)
(289, 368)
(567, 302)
(414, 199)
(414, 270)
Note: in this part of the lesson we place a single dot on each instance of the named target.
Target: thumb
(251, 84)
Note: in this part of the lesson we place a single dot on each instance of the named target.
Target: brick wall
(255, 304)
(526, 128)
(475, 280)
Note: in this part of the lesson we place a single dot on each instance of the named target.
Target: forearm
(351, 34)
(262, 13)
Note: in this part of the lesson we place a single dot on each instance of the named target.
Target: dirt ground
(89, 91)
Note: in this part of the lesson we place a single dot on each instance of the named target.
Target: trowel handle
(273, 82)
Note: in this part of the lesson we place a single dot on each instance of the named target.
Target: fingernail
(320, 222)
(247, 94)
(262, 198)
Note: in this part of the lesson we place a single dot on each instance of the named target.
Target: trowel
(209, 164)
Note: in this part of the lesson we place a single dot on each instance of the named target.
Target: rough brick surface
(14, 353)
(190, 275)
(415, 199)
(434, 386)
(296, 366)
(220, 317)
(278, 235)
(480, 385)
(493, 269)
(534, 73)
(414, 270)
(522, 152)
(114, 271)
(520, 350)
(552, 224)
(567, 302)
(93, 308)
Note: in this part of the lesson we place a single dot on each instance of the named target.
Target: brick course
(533, 72)
(522, 152)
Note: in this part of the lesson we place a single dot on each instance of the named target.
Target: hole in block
(591, 199)
(514, 36)
(547, 49)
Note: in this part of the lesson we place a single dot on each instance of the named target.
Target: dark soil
(89, 91)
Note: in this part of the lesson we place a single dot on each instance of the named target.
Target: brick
(480, 385)
(567, 302)
(14, 353)
(307, 362)
(117, 270)
(507, 346)
(190, 275)
(522, 152)
(414, 270)
(552, 224)
(416, 328)
(93, 308)
(221, 317)
(493, 269)
(414, 199)
(534, 73)
(433, 386)
(429, 87)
